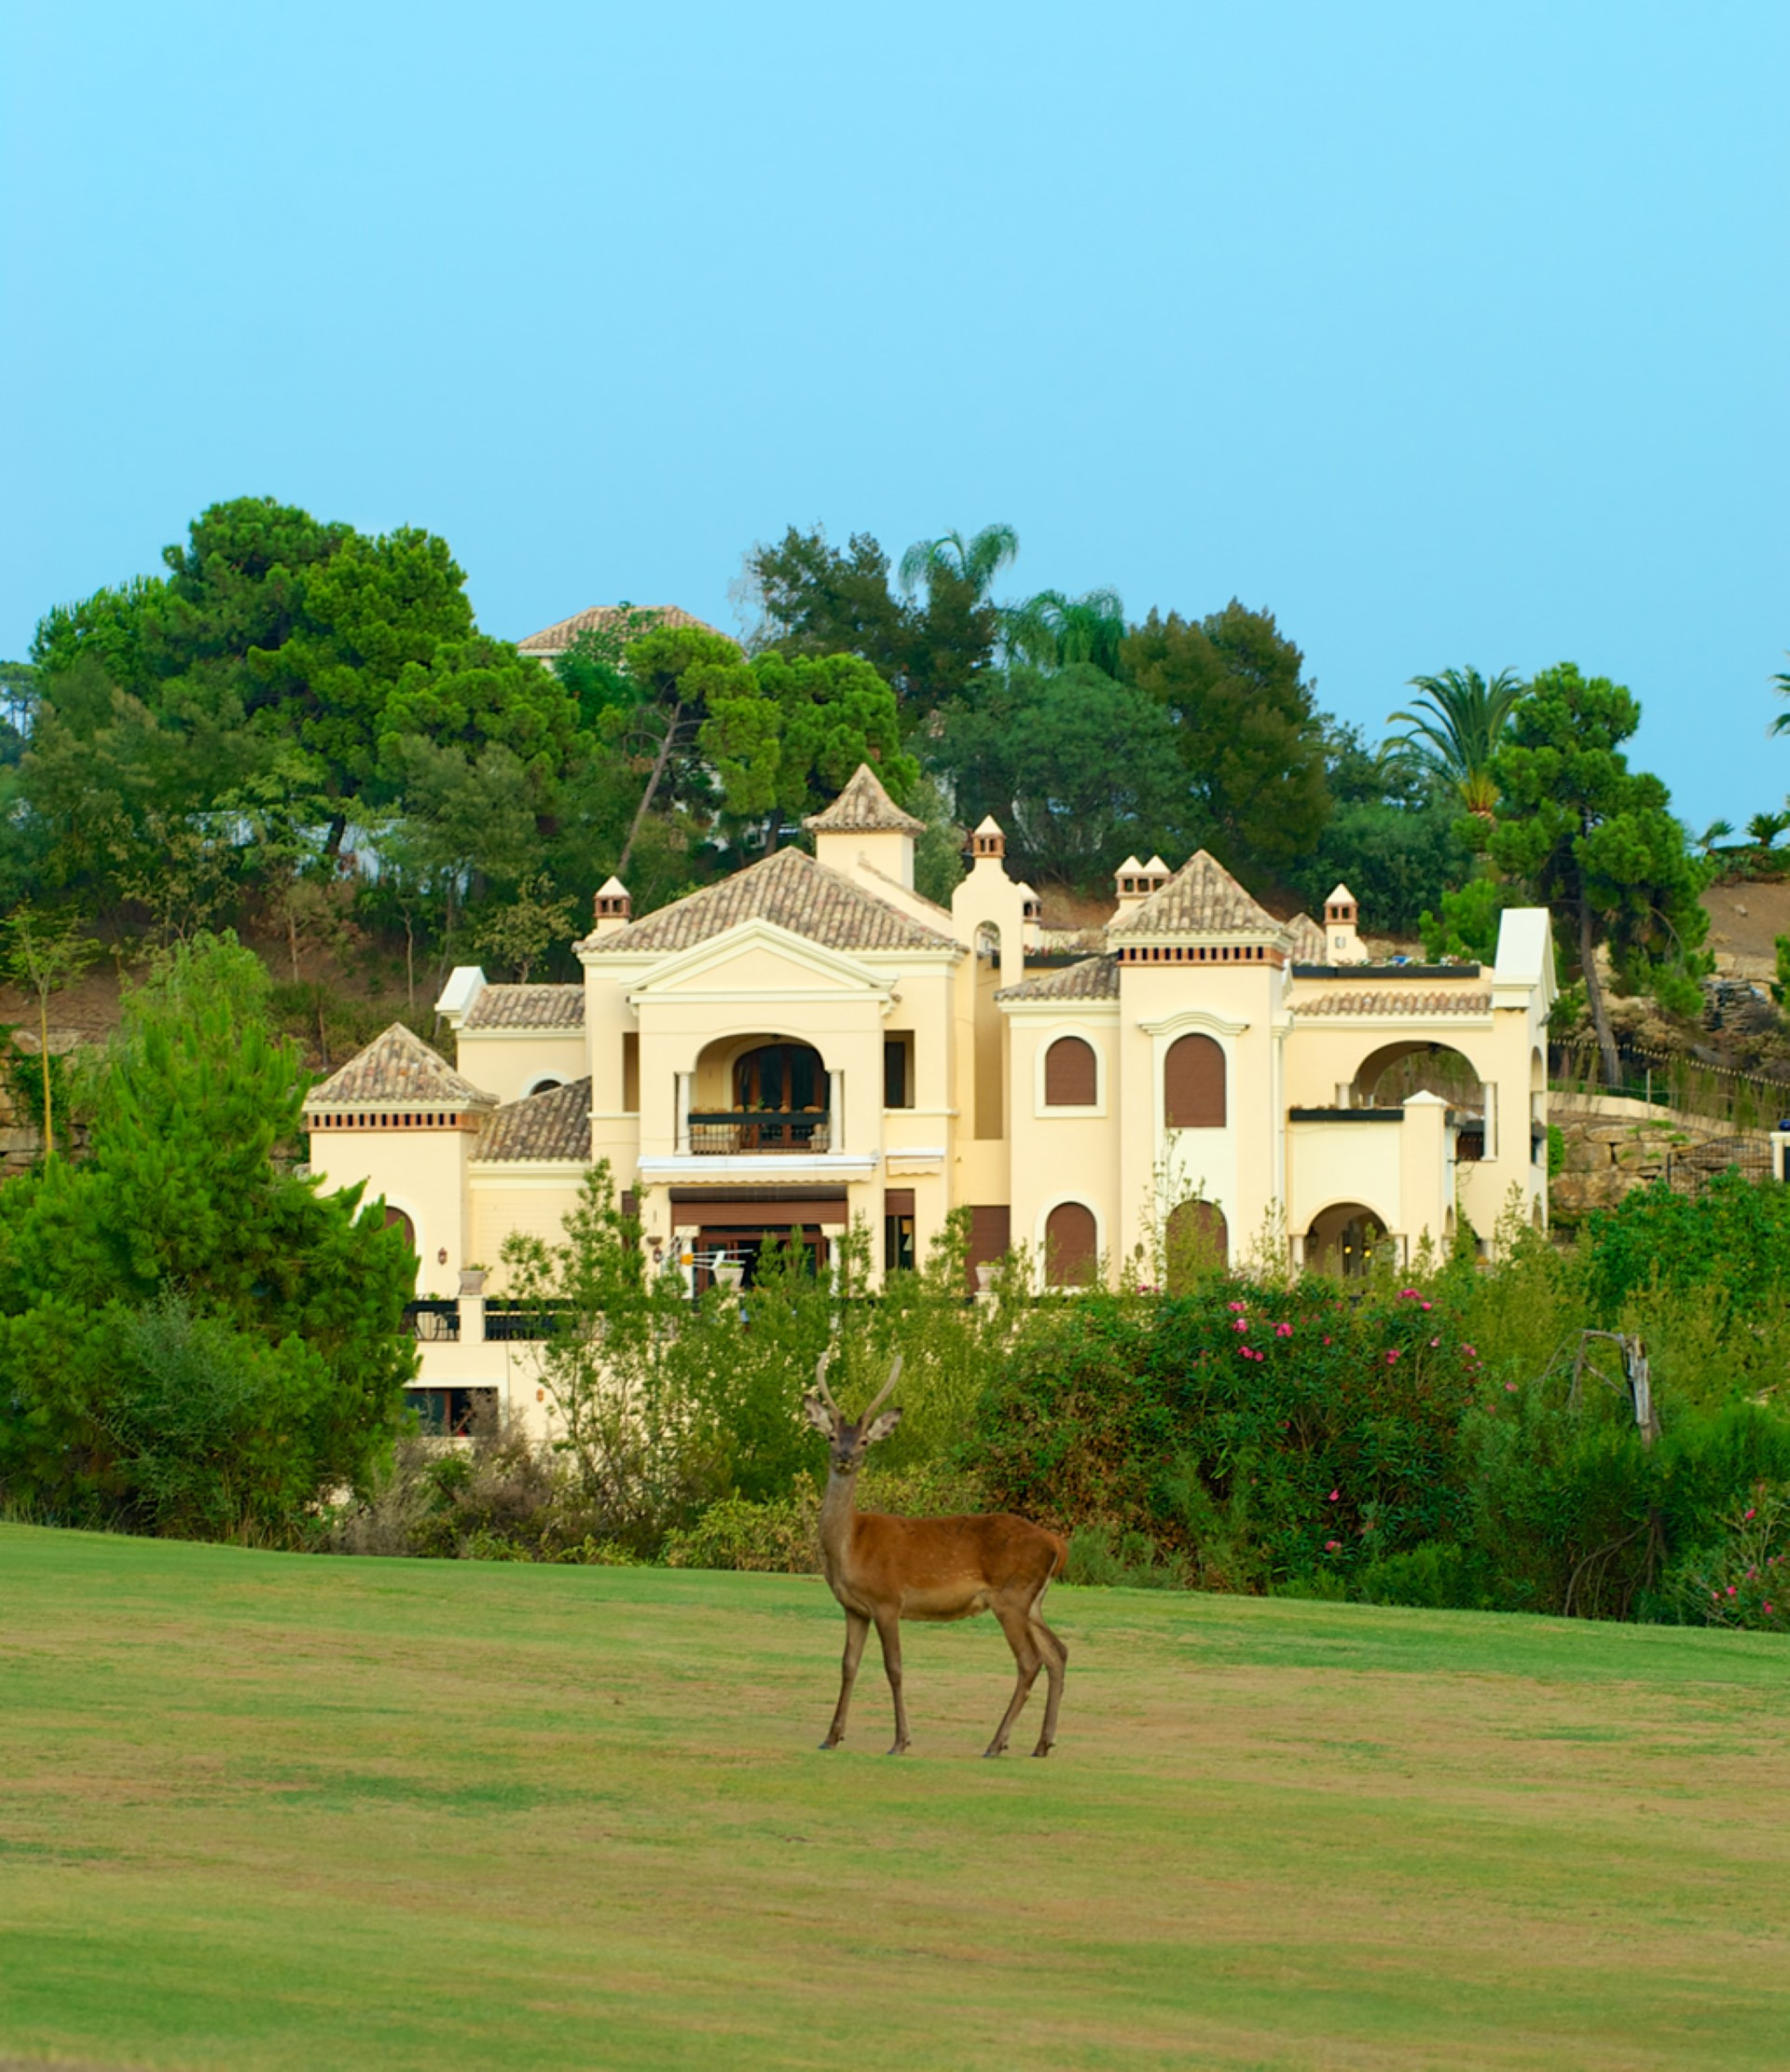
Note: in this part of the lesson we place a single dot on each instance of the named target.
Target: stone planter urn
(729, 1272)
(984, 1275)
(472, 1281)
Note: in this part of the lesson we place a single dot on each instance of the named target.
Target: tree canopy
(1598, 843)
(1248, 728)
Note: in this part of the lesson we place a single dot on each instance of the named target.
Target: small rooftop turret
(614, 907)
(987, 841)
(1341, 939)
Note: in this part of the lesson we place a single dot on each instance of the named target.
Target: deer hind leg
(889, 1631)
(1056, 1663)
(1018, 1629)
(856, 1633)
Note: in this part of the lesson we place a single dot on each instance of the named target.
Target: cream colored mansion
(812, 1044)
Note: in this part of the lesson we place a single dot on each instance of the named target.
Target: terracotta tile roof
(555, 640)
(550, 1124)
(1310, 945)
(1094, 978)
(1200, 899)
(1396, 1000)
(394, 1070)
(528, 1007)
(863, 808)
(791, 890)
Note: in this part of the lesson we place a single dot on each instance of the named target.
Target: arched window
(1071, 1079)
(1197, 1241)
(1193, 1084)
(783, 1078)
(1071, 1245)
(395, 1219)
(544, 1086)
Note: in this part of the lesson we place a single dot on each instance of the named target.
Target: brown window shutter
(1069, 1077)
(990, 1238)
(898, 1201)
(1193, 1084)
(1072, 1246)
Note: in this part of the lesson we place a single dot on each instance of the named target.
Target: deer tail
(1060, 1558)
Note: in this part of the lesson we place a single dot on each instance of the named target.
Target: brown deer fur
(884, 1570)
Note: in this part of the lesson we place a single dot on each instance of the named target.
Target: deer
(884, 1570)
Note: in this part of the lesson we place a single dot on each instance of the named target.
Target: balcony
(726, 1133)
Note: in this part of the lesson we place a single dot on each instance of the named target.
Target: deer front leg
(1026, 1659)
(856, 1633)
(889, 1631)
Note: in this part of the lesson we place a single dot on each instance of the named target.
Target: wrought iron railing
(436, 1323)
(716, 1133)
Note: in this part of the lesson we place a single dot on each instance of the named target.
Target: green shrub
(777, 1536)
(1573, 1512)
(1730, 1244)
(1742, 1579)
(1101, 1558)
(1435, 1575)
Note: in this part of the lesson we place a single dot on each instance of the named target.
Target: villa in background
(811, 1044)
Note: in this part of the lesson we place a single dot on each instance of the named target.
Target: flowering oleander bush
(1744, 1578)
(1264, 1435)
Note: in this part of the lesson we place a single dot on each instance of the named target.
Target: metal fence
(1744, 1102)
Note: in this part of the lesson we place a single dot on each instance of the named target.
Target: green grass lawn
(260, 1810)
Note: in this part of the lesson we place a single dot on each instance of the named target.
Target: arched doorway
(1345, 1241)
(1197, 1242)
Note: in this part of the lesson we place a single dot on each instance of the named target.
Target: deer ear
(883, 1426)
(819, 1415)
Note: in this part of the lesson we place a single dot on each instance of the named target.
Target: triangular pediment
(758, 959)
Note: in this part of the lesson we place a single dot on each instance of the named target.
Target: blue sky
(1450, 334)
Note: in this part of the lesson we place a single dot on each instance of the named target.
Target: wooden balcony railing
(719, 1133)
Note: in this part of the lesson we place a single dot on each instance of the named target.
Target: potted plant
(472, 1281)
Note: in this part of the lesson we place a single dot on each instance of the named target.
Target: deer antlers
(826, 1393)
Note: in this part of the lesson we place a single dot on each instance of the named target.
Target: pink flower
(1435, 1341)
(1407, 1294)
(1242, 1324)
(1429, 1305)
(1282, 1331)
(1234, 1305)
(1731, 1590)
(1469, 1352)
(1749, 1514)
(1509, 1387)
(1768, 1611)
(1327, 1341)
(1334, 1496)
(1332, 1546)
(1391, 1356)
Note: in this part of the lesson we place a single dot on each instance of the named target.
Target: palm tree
(1054, 631)
(1781, 683)
(1765, 828)
(1456, 730)
(1717, 830)
(976, 560)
